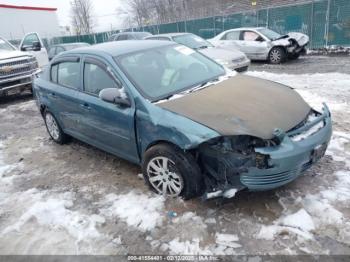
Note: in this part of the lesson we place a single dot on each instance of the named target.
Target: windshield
(192, 41)
(269, 33)
(4, 45)
(159, 73)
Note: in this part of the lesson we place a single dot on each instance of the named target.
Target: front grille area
(269, 181)
(17, 67)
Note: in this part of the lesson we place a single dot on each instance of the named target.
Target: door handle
(85, 106)
(53, 95)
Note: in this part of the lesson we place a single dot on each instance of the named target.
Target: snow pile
(4, 169)
(136, 209)
(188, 247)
(190, 217)
(55, 213)
(227, 240)
(322, 212)
(299, 223)
(336, 147)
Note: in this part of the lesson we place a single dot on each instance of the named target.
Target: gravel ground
(75, 199)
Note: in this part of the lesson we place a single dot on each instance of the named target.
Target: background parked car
(33, 44)
(17, 69)
(233, 59)
(128, 36)
(56, 49)
(263, 44)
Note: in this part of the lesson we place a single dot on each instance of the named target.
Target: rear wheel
(171, 172)
(54, 129)
(277, 55)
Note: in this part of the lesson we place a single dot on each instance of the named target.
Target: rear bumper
(290, 159)
(17, 83)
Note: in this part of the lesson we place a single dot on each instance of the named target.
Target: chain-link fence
(327, 22)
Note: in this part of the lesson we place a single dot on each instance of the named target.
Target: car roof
(117, 48)
(170, 34)
(246, 28)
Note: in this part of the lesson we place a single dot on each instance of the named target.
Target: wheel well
(164, 142)
(280, 46)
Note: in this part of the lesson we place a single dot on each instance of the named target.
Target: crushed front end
(234, 163)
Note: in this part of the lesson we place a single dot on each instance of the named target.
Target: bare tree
(82, 16)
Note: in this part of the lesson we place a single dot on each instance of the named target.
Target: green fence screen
(327, 22)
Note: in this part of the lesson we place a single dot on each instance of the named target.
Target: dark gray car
(56, 49)
(128, 36)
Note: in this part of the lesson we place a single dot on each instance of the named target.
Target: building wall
(15, 23)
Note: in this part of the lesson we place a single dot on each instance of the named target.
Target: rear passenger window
(234, 35)
(96, 79)
(68, 74)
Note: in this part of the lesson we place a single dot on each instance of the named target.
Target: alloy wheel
(163, 176)
(275, 56)
(52, 126)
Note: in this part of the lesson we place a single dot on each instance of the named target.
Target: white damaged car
(263, 44)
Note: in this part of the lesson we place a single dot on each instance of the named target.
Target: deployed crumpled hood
(221, 53)
(5, 54)
(243, 105)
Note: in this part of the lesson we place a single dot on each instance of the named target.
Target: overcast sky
(104, 10)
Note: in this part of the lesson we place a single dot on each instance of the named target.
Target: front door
(106, 125)
(252, 44)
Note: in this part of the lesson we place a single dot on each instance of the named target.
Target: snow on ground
(71, 200)
(136, 209)
(319, 210)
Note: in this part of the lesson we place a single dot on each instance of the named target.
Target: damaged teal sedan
(196, 128)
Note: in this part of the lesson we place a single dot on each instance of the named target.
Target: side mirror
(36, 46)
(113, 95)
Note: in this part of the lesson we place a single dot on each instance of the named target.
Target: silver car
(263, 44)
(233, 59)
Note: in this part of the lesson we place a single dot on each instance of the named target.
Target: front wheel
(277, 55)
(54, 129)
(172, 172)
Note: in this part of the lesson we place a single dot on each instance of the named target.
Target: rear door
(231, 38)
(106, 125)
(62, 93)
(33, 44)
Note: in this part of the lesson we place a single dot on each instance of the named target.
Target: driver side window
(250, 36)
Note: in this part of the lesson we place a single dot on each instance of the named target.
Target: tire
(277, 55)
(175, 173)
(54, 129)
